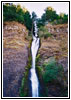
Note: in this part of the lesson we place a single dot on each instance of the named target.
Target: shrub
(51, 71)
(43, 32)
(52, 74)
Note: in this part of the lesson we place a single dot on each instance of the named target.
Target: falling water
(34, 49)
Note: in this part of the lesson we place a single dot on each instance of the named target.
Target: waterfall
(34, 49)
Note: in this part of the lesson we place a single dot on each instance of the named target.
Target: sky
(39, 7)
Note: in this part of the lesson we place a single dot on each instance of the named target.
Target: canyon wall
(15, 57)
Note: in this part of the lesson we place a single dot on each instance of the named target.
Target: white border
(2, 54)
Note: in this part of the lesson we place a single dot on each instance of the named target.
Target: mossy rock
(24, 90)
(50, 74)
(52, 70)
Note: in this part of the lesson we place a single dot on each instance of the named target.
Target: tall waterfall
(34, 49)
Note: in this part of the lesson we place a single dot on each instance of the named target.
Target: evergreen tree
(13, 13)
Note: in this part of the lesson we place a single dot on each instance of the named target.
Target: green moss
(37, 58)
(39, 72)
(30, 43)
(49, 73)
(24, 86)
(23, 92)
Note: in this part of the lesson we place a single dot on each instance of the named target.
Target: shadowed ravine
(34, 49)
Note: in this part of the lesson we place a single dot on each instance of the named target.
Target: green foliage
(13, 13)
(44, 91)
(42, 20)
(27, 20)
(62, 19)
(34, 16)
(50, 15)
(43, 32)
(23, 91)
(37, 58)
(49, 74)
(40, 23)
(46, 35)
(51, 71)
(9, 13)
(64, 92)
(65, 18)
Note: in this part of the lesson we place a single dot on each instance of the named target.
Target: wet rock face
(15, 57)
(64, 63)
(57, 47)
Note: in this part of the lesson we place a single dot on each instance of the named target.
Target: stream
(33, 76)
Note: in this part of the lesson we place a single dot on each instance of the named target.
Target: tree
(43, 17)
(9, 12)
(41, 21)
(65, 18)
(50, 14)
(61, 15)
(28, 20)
(13, 13)
(34, 16)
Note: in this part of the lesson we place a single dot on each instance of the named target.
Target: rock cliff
(15, 57)
(55, 46)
